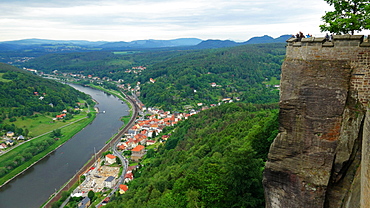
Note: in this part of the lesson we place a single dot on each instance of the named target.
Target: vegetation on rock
(347, 17)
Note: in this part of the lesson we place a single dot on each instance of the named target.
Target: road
(112, 143)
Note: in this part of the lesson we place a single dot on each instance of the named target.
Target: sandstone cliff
(320, 158)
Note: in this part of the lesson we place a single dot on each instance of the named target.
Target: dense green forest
(100, 63)
(182, 78)
(24, 94)
(213, 159)
(238, 72)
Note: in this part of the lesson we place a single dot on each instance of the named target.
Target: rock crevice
(316, 159)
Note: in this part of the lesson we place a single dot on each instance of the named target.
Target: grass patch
(42, 123)
(68, 133)
(2, 79)
(119, 62)
(273, 81)
(125, 52)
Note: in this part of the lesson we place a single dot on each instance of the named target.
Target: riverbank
(68, 130)
(57, 198)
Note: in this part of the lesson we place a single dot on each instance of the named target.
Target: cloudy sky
(127, 20)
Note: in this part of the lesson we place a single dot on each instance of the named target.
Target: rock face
(320, 157)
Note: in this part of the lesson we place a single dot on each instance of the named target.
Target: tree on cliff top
(348, 16)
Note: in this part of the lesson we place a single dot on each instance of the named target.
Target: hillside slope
(213, 159)
(24, 94)
(182, 78)
(208, 76)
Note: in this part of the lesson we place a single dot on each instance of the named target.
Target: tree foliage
(182, 78)
(24, 93)
(238, 72)
(211, 159)
(348, 16)
(33, 149)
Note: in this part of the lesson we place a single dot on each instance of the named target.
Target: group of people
(328, 37)
(300, 35)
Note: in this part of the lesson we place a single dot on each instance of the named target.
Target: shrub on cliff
(348, 16)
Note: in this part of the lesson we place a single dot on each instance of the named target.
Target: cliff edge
(320, 157)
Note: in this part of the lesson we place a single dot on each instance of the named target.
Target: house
(129, 177)
(105, 201)
(110, 182)
(3, 146)
(84, 203)
(165, 137)
(9, 142)
(21, 137)
(9, 134)
(137, 152)
(131, 168)
(122, 188)
(150, 142)
(122, 146)
(110, 159)
(132, 132)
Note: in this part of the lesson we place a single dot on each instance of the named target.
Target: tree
(348, 16)
(56, 133)
(118, 161)
(91, 195)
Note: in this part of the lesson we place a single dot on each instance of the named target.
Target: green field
(3, 80)
(41, 123)
(119, 63)
(68, 132)
(39, 126)
(125, 52)
(273, 81)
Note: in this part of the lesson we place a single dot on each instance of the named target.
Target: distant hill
(44, 46)
(151, 43)
(35, 41)
(208, 44)
(24, 93)
(238, 72)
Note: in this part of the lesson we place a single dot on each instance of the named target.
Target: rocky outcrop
(316, 160)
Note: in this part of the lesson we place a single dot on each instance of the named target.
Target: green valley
(33, 108)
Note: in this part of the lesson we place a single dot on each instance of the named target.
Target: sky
(128, 20)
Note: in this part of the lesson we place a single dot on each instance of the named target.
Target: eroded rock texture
(315, 161)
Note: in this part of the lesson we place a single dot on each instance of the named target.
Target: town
(112, 173)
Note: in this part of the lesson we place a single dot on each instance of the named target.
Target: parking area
(95, 180)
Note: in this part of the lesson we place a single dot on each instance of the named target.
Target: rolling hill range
(185, 77)
(36, 46)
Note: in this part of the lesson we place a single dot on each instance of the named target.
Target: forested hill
(183, 78)
(247, 72)
(23, 93)
(213, 159)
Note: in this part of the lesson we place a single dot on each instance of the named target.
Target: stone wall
(315, 159)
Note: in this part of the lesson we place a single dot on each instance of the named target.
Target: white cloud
(165, 19)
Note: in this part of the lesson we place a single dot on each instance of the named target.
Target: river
(34, 186)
